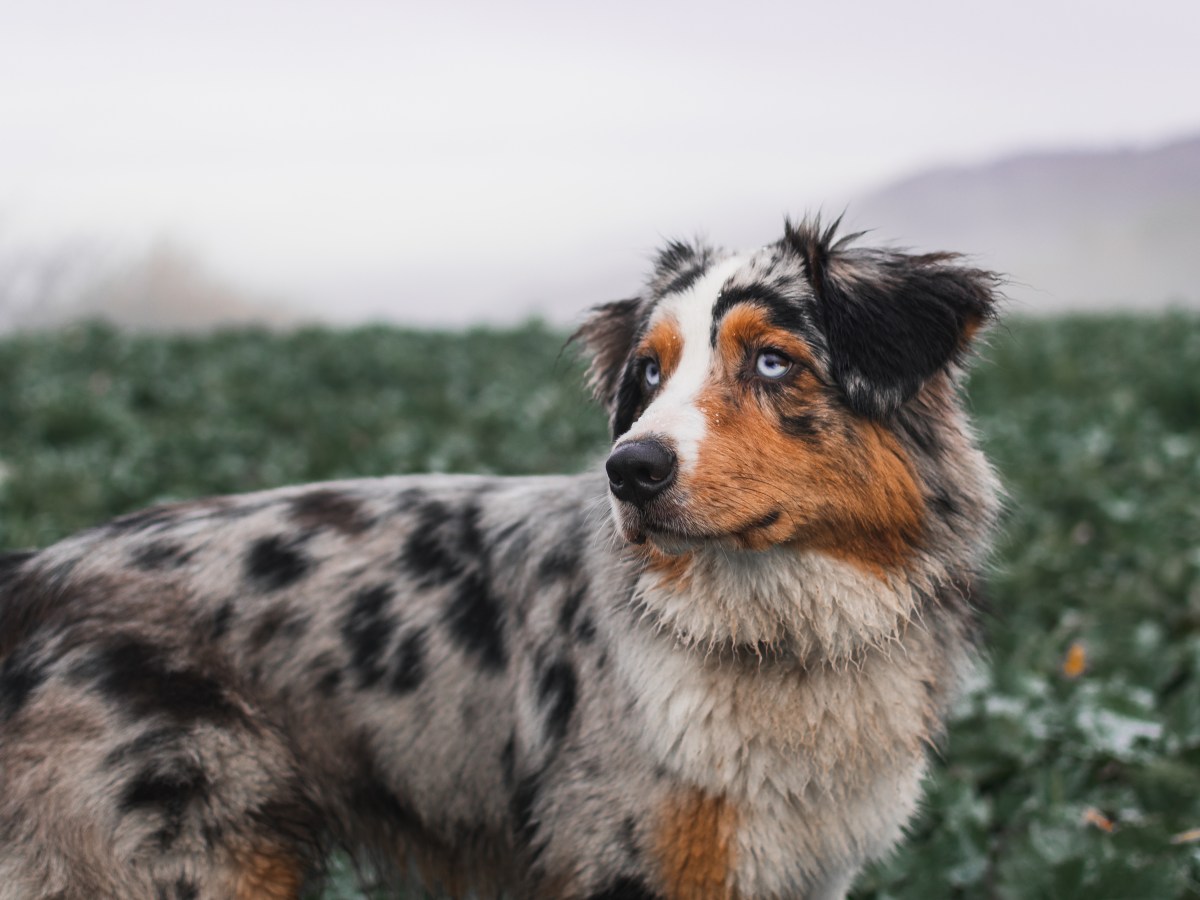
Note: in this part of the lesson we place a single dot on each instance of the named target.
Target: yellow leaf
(1093, 816)
(1075, 663)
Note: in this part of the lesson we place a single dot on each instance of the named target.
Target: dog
(723, 685)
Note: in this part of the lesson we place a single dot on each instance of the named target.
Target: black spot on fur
(678, 266)
(329, 682)
(627, 837)
(765, 521)
(10, 564)
(556, 697)
(586, 632)
(470, 538)
(367, 630)
(474, 618)
(800, 425)
(161, 555)
(327, 508)
(20, 675)
(290, 816)
(570, 608)
(149, 743)
(167, 791)
(626, 888)
(524, 799)
(274, 562)
(136, 678)
(371, 798)
(945, 505)
(408, 664)
(508, 761)
(919, 432)
(561, 562)
(186, 889)
(442, 543)
(409, 499)
(44, 599)
(221, 620)
(326, 671)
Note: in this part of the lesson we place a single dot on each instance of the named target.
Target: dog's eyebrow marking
(781, 312)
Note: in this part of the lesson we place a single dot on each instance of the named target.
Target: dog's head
(756, 399)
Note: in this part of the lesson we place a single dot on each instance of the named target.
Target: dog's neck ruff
(782, 603)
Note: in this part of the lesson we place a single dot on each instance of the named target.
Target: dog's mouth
(676, 535)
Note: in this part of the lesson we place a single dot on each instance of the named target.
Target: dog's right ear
(608, 334)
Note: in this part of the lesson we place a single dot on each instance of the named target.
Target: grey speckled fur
(478, 684)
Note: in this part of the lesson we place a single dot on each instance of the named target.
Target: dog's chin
(638, 528)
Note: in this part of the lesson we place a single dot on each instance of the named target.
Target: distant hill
(166, 289)
(1073, 230)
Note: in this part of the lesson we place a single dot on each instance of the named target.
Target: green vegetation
(1049, 786)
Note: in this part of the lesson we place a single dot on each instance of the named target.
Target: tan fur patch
(674, 572)
(695, 847)
(268, 874)
(846, 487)
(664, 341)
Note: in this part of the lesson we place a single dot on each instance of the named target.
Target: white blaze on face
(675, 414)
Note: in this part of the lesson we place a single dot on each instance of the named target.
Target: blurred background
(250, 244)
(181, 164)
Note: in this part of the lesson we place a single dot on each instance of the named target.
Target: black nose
(640, 470)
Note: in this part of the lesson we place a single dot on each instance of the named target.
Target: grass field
(1068, 773)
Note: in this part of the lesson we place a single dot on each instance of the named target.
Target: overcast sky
(445, 161)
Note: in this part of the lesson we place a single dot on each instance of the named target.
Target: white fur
(675, 413)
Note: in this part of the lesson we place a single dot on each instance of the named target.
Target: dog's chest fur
(800, 692)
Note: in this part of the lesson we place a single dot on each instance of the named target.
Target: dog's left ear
(607, 335)
(891, 319)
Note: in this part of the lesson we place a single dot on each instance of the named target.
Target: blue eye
(651, 374)
(772, 364)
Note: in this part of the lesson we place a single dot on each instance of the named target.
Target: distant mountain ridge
(1072, 229)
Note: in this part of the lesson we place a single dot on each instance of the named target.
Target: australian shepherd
(711, 668)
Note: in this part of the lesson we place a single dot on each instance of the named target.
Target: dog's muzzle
(640, 470)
